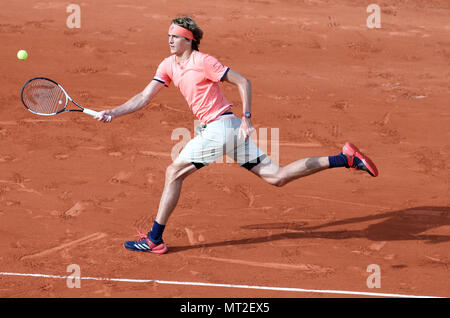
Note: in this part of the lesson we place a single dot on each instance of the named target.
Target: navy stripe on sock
(338, 161)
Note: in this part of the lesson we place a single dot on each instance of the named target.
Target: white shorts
(219, 138)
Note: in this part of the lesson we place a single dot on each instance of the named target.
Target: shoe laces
(142, 236)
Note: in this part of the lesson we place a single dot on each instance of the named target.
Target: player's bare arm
(135, 103)
(245, 91)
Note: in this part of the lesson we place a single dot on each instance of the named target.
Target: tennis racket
(43, 96)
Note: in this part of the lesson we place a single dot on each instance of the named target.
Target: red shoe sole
(159, 249)
(351, 150)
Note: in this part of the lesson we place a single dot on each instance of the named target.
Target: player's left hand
(246, 128)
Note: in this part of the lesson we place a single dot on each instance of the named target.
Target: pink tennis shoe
(364, 163)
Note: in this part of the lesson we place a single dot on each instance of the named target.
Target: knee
(277, 182)
(176, 172)
(277, 179)
(172, 173)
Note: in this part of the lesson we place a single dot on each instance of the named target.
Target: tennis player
(197, 75)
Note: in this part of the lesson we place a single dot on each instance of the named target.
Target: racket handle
(93, 113)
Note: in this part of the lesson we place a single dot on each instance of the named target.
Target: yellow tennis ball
(22, 55)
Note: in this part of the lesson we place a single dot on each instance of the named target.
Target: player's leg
(279, 176)
(351, 157)
(200, 151)
(175, 174)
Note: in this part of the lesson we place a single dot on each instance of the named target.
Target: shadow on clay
(401, 225)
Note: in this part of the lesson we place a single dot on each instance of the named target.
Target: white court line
(286, 289)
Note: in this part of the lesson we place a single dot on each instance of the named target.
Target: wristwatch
(247, 115)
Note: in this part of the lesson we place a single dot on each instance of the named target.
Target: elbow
(245, 86)
(246, 83)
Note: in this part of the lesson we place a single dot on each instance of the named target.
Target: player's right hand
(105, 116)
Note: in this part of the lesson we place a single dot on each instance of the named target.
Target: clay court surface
(72, 190)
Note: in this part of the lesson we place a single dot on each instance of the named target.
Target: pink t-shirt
(198, 80)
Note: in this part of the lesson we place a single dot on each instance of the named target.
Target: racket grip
(91, 112)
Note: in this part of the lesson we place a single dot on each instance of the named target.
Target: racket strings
(44, 97)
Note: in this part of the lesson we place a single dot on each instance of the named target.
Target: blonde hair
(188, 23)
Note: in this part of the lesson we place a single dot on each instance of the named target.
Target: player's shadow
(408, 224)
